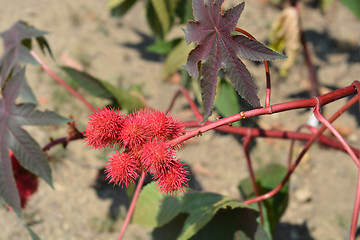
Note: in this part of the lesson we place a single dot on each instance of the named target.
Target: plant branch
(132, 205)
(356, 210)
(192, 105)
(60, 81)
(302, 153)
(324, 99)
(312, 129)
(246, 144)
(310, 66)
(337, 134)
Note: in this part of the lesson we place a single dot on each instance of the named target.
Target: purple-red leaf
(14, 137)
(14, 48)
(217, 48)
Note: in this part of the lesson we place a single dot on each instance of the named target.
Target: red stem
(190, 101)
(60, 81)
(337, 134)
(312, 129)
(132, 205)
(267, 70)
(310, 66)
(258, 132)
(302, 153)
(324, 99)
(356, 210)
(246, 143)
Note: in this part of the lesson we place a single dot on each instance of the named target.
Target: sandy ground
(322, 188)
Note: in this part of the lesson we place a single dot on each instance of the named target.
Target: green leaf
(325, 4)
(154, 209)
(120, 7)
(194, 214)
(226, 100)
(353, 5)
(170, 230)
(238, 223)
(163, 14)
(124, 99)
(33, 235)
(202, 207)
(176, 58)
(184, 11)
(91, 84)
(267, 178)
(44, 45)
(99, 88)
(154, 21)
(160, 15)
(163, 47)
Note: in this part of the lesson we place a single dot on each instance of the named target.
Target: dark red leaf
(17, 49)
(217, 48)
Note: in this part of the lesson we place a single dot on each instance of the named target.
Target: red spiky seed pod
(156, 154)
(135, 131)
(171, 179)
(122, 168)
(103, 128)
(163, 125)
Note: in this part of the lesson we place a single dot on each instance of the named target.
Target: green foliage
(121, 98)
(120, 7)
(161, 16)
(163, 47)
(267, 178)
(196, 215)
(353, 5)
(176, 58)
(227, 101)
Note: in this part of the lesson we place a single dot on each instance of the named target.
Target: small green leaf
(176, 58)
(163, 47)
(91, 84)
(226, 100)
(43, 43)
(325, 4)
(33, 235)
(268, 178)
(353, 5)
(120, 7)
(124, 99)
(184, 11)
(154, 21)
(163, 14)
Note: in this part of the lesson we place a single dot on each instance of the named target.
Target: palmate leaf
(196, 215)
(17, 46)
(217, 48)
(14, 137)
